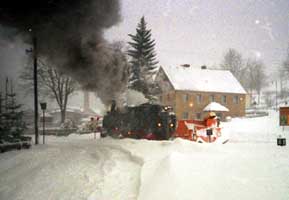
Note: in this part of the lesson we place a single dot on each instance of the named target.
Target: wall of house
(190, 105)
(168, 99)
(168, 95)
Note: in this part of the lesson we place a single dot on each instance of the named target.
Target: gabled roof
(203, 80)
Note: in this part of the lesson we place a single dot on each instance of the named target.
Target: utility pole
(35, 82)
(276, 96)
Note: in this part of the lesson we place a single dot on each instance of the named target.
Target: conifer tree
(4, 121)
(143, 59)
(12, 122)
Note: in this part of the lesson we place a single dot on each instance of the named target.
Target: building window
(168, 97)
(199, 98)
(198, 116)
(186, 97)
(224, 99)
(212, 98)
(235, 99)
(185, 115)
(161, 98)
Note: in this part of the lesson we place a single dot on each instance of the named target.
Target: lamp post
(43, 106)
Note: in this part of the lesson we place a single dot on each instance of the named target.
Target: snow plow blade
(198, 131)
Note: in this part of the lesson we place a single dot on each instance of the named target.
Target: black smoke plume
(70, 36)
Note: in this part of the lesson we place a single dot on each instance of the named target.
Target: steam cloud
(70, 36)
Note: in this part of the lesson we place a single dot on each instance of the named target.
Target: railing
(256, 113)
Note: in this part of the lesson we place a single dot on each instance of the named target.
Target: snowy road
(69, 170)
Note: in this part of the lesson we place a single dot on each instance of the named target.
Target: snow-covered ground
(251, 166)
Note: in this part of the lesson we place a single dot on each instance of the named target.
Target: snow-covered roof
(203, 80)
(214, 106)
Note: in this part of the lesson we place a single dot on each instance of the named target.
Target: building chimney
(186, 65)
(204, 67)
(86, 106)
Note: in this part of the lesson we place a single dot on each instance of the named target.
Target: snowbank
(250, 166)
(253, 130)
(218, 174)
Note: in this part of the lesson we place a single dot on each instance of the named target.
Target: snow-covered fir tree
(143, 60)
(11, 123)
(4, 122)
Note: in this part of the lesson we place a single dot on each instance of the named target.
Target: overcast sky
(199, 32)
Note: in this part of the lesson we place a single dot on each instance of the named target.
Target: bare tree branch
(51, 82)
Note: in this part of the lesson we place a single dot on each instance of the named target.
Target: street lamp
(43, 106)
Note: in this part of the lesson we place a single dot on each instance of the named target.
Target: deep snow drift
(250, 166)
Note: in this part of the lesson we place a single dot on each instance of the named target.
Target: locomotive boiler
(149, 121)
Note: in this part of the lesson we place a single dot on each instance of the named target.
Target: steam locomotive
(149, 121)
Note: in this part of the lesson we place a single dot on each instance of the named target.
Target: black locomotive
(150, 121)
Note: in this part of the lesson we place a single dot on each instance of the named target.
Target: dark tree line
(250, 72)
(283, 77)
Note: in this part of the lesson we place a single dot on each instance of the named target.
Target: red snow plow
(198, 131)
